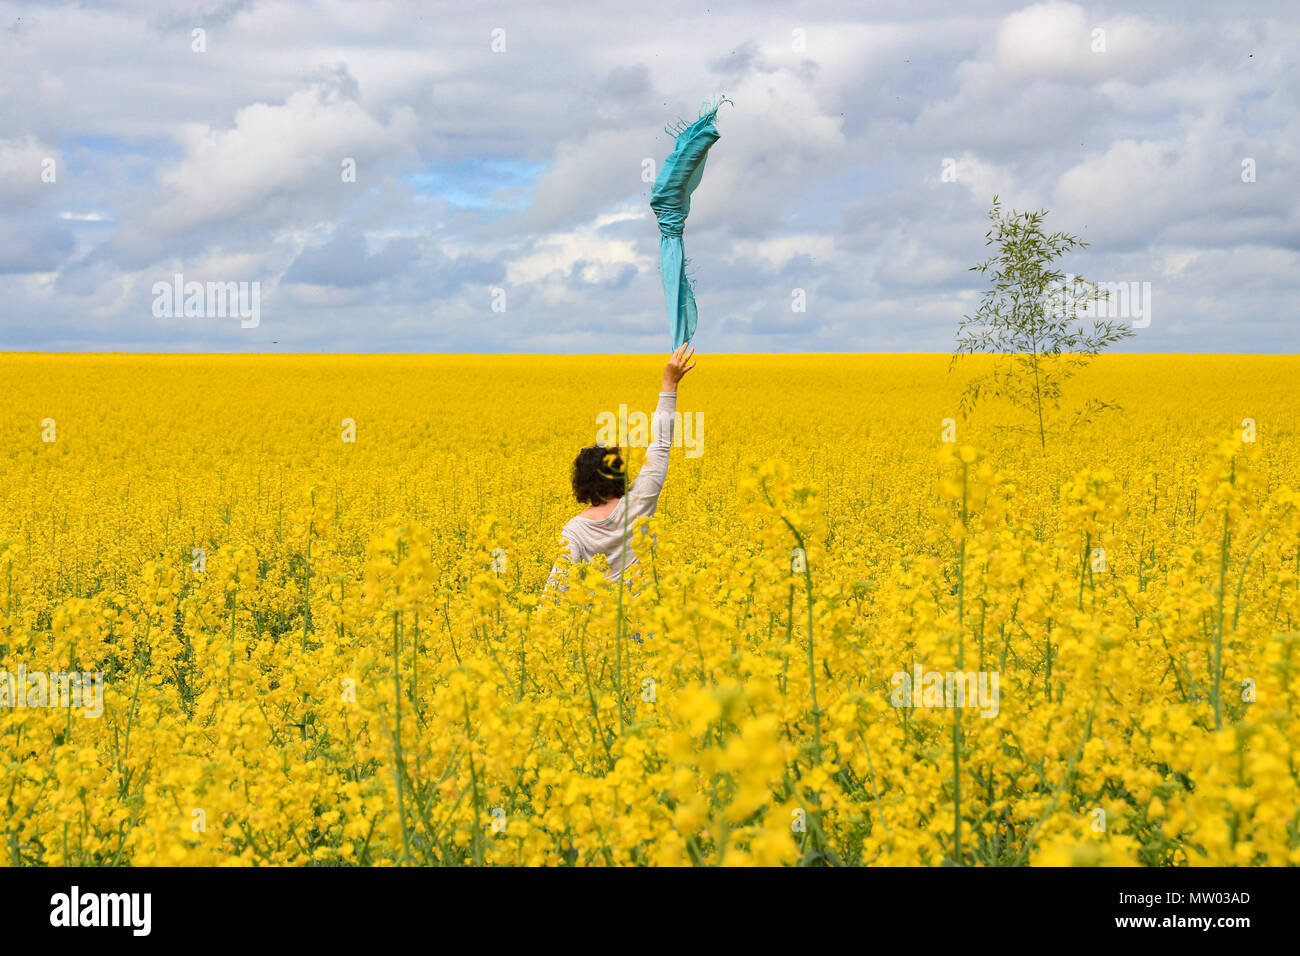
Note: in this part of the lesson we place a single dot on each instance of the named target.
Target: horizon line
(296, 352)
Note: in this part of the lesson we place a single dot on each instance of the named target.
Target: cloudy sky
(501, 156)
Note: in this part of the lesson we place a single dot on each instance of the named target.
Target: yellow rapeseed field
(326, 651)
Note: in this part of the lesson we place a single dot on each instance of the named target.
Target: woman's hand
(681, 362)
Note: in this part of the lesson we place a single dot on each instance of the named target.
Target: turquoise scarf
(671, 201)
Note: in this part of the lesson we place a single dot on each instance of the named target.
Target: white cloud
(588, 172)
(777, 252)
(602, 257)
(1123, 189)
(22, 163)
(777, 133)
(985, 180)
(1062, 41)
(274, 160)
(913, 263)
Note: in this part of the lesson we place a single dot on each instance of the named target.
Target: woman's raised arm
(644, 493)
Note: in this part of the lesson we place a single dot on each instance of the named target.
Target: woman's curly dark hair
(598, 474)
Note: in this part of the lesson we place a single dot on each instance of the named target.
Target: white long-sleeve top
(587, 537)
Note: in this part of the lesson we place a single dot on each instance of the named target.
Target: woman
(598, 480)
